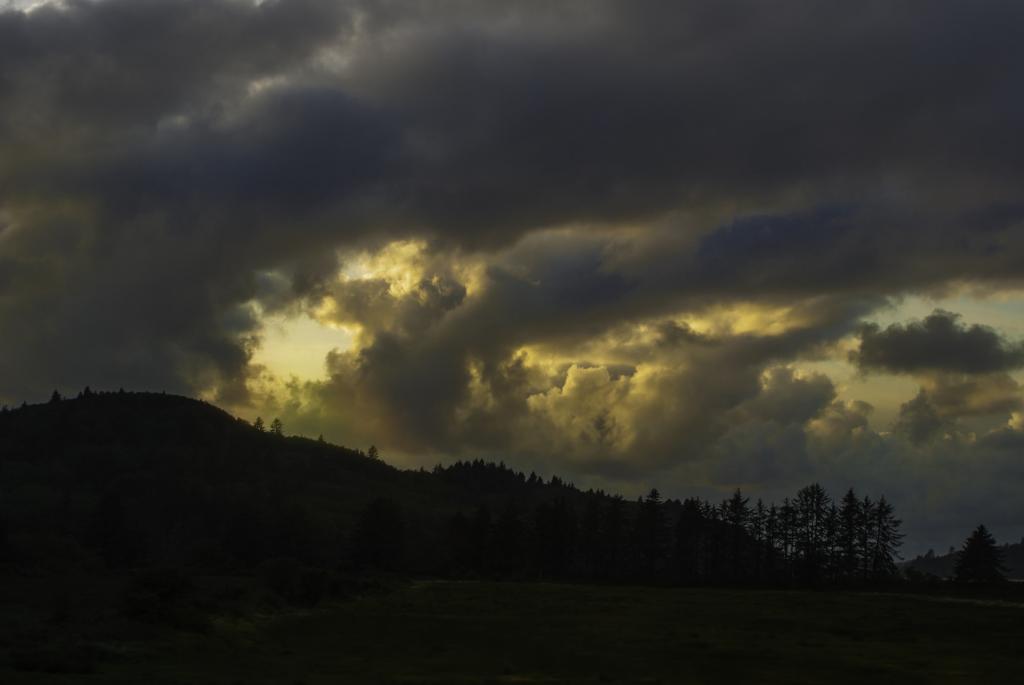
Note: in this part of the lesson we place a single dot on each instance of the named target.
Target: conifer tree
(886, 540)
(771, 540)
(688, 542)
(865, 537)
(788, 527)
(833, 556)
(613, 533)
(736, 510)
(736, 513)
(812, 505)
(649, 534)
(848, 535)
(980, 560)
(378, 540)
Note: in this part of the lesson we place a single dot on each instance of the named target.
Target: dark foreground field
(463, 632)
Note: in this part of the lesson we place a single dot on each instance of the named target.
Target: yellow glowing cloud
(404, 264)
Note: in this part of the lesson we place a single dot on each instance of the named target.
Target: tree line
(808, 539)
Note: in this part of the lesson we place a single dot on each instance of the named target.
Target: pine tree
(787, 529)
(372, 453)
(812, 505)
(886, 540)
(865, 536)
(378, 541)
(833, 556)
(686, 550)
(613, 533)
(649, 534)
(258, 424)
(771, 540)
(848, 535)
(276, 427)
(509, 543)
(6, 550)
(736, 512)
(555, 532)
(980, 560)
(758, 520)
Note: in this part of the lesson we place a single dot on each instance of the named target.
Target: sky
(634, 243)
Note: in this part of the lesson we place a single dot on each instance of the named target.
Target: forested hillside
(127, 480)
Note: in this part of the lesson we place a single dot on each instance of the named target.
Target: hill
(120, 481)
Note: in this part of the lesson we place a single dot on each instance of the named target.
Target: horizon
(631, 243)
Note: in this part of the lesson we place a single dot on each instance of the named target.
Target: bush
(164, 597)
(293, 581)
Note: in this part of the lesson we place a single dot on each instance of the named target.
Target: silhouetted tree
(980, 560)
(832, 554)
(481, 536)
(812, 506)
(276, 427)
(6, 550)
(688, 543)
(736, 516)
(788, 523)
(372, 453)
(55, 397)
(378, 541)
(865, 538)
(590, 538)
(848, 536)
(771, 541)
(258, 424)
(555, 530)
(886, 537)
(460, 544)
(736, 510)
(612, 539)
(509, 543)
(649, 536)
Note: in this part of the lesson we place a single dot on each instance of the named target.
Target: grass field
(463, 632)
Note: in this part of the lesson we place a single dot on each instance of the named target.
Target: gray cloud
(936, 344)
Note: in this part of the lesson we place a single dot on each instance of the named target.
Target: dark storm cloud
(171, 170)
(919, 420)
(109, 282)
(92, 66)
(938, 343)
